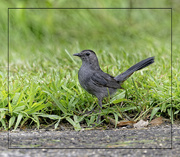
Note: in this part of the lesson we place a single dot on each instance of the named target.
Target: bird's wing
(105, 80)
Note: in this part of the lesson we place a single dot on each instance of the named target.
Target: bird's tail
(142, 64)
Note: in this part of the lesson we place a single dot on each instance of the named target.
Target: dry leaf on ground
(141, 124)
(157, 121)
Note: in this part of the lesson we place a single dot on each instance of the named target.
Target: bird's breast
(84, 76)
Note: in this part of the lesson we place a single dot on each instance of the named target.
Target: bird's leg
(100, 107)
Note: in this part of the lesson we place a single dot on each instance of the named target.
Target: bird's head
(88, 58)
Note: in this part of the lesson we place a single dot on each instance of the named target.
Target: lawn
(43, 83)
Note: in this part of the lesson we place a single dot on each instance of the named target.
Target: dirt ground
(150, 141)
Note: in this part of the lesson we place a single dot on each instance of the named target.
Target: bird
(99, 83)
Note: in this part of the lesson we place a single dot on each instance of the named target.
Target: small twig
(89, 112)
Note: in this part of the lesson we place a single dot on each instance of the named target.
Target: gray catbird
(99, 83)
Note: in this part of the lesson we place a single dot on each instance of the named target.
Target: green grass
(43, 83)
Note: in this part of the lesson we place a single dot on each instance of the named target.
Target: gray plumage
(99, 83)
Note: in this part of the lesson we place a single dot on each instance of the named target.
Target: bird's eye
(87, 54)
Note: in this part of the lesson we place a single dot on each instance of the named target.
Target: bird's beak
(77, 54)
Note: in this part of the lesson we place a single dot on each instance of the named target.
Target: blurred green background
(42, 41)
